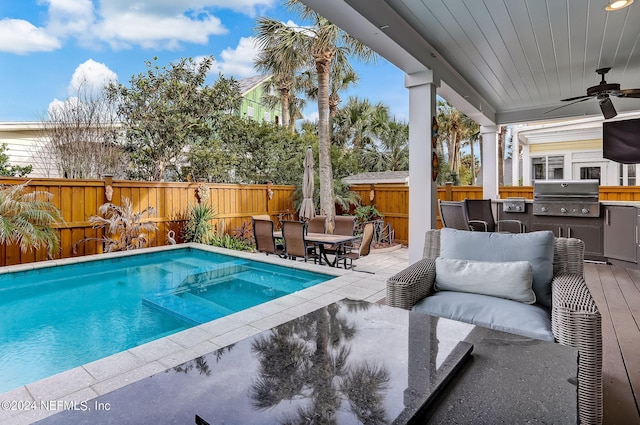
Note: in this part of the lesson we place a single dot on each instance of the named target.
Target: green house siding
(252, 105)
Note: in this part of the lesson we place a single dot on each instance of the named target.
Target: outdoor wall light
(617, 5)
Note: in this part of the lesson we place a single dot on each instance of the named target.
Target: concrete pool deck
(75, 387)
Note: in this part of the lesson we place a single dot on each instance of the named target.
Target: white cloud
(312, 117)
(167, 23)
(124, 23)
(238, 62)
(124, 29)
(91, 76)
(88, 79)
(19, 36)
(70, 17)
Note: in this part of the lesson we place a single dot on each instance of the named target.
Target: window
(250, 111)
(627, 174)
(547, 167)
(590, 173)
(267, 116)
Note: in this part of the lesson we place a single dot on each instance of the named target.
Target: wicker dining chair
(575, 318)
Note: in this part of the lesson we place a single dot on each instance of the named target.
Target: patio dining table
(322, 240)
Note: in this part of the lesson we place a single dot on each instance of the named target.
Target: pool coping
(71, 388)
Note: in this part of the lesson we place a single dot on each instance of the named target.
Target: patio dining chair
(317, 224)
(453, 215)
(295, 244)
(480, 217)
(263, 236)
(365, 248)
(344, 225)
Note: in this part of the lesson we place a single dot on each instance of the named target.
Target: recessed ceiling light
(617, 5)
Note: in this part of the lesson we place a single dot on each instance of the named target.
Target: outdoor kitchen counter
(621, 203)
(604, 203)
(610, 237)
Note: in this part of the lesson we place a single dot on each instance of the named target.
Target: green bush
(366, 213)
(199, 227)
(230, 242)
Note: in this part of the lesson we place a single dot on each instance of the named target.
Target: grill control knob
(543, 209)
(585, 211)
(563, 210)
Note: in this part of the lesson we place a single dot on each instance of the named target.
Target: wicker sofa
(575, 320)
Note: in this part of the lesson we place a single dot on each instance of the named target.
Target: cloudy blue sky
(48, 46)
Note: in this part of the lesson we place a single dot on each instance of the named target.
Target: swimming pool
(55, 318)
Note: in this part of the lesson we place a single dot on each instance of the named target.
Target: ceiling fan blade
(576, 98)
(580, 99)
(629, 93)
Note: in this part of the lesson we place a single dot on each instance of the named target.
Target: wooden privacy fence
(77, 200)
(234, 204)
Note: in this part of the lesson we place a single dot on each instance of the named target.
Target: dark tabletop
(351, 362)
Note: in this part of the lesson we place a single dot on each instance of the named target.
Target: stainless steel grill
(571, 198)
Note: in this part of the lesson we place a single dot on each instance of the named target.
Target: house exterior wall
(22, 140)
(576, 147)
(252, 107)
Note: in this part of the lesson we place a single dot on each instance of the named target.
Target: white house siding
(578, 143)
(22, 145)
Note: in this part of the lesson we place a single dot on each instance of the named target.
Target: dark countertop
(352, 362)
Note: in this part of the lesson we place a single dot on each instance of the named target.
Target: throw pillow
(534, 247)
(511, 280)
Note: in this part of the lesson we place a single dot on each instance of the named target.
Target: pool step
(182, 308)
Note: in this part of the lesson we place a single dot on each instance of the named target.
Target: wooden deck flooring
(616, 291)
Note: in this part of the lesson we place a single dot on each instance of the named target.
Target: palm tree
(318, 371)
(342, 77)
(454, 127)
(471, 133)
(321, 43)
(395, 144)
(26, 218)
(279, 58)
(360, 123)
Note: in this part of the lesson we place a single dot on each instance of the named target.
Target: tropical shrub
(230, 242)
(366, 213)
(123, 228)
(198, 227)
(26, 219)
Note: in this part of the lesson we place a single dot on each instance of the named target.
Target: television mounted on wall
(621, 141)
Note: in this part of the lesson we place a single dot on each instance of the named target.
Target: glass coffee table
(350, 362)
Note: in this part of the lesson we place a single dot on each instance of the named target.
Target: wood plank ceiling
(519, 56)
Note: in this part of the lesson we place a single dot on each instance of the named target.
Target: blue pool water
(55, 318)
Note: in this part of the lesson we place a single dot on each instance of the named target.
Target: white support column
(422, 189)
(526, 165)
(515, 157)
(490, 161)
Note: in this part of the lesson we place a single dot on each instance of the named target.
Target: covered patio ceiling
(502, 61)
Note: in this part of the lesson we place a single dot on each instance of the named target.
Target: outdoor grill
(571, 198)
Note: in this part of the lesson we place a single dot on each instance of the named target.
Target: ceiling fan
(602, 92)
